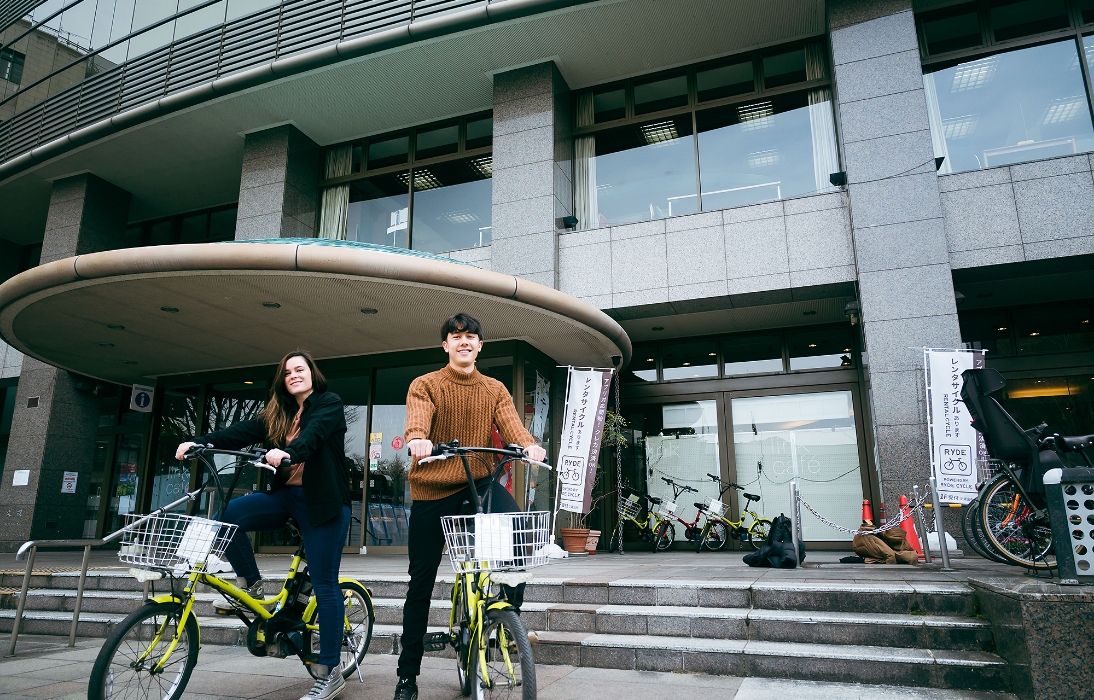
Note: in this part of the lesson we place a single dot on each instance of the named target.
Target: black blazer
(320, 446)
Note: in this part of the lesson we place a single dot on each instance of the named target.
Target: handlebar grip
(666, 480)
(286, 463)
(716, 478)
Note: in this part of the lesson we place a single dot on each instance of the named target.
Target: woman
(305, 423)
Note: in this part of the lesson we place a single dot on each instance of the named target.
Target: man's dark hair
(462, 323)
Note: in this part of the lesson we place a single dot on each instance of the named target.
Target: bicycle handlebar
(442, 451)
(255, 457)
(727, 484)
(685, 488)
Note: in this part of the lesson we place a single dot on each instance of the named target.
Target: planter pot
(590, 544)
(574, 538)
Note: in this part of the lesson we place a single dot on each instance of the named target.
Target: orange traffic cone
(909, 527)
(867, 514)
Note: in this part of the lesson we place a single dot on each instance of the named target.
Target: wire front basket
(174, 541)
(716, 507)
(497, 541)
(630, 507)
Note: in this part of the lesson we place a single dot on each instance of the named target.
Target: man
(453, 403)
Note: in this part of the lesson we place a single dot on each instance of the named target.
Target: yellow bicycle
(719, 528)
(152, 652)
(490, 553)
(649, 527)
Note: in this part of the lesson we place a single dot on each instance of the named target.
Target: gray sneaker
(255, 591)
(328, 684)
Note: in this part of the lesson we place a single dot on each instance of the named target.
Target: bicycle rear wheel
(757, 533)
(714, 536)
(124, 666)
(664, 536)
(970, 527)
(1010, 529)
(510, 670)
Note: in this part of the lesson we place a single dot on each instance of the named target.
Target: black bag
(778, 549)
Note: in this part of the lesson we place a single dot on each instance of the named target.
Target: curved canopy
(135, 314)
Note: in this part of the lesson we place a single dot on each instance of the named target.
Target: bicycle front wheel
(664, 536)
(126, 664)
(505, 670)
(757, 533)
(356, 629)
(1010, 529)
(459, 626)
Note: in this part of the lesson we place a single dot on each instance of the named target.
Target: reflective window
(194, 227)
(379, 210)
(1056, 328)
(990, 330)
(951, 32)
(387, 151)
(645, 171)
(784, 69)
(689, 360)
(1066, 403)
(452, 205)
(1009, 108)
(435, 142)
(659, 94)
(609, 104)
(1011, 19)
(480, 132)
(725, 81)
(820, 347)
(11, 65)
(643, 366)
(753, 354)
(1086, 10)
(684, 450)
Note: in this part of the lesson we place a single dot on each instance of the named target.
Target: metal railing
(260, 43)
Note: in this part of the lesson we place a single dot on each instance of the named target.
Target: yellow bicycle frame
(473, 584)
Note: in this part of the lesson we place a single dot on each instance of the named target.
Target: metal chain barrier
(887, 526)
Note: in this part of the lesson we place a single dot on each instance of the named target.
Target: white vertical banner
(955, 446)
(583, 423)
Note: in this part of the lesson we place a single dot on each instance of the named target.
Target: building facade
(781, 204)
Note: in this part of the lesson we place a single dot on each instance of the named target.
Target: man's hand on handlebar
(420, 448)
(536, 453)
(180, 453)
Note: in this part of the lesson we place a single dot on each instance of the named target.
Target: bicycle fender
(500, 605)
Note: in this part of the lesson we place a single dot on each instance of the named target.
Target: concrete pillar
(279, 185)
(532, 171)
(54, 424)
(900, 244)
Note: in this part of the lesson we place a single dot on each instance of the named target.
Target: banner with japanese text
(583, 424)
(956, 448)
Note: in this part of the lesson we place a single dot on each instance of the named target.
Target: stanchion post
(943, 547)
(22, 600)
(79, 597)
(795, 517)
(922, 525)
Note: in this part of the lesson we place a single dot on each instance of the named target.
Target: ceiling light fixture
(115, 327)
(1034, 334)
(106, 345)
(811, 312)
(369, 312)
(1001, 328)
(271, 305)
(713, 354)
(129, 362)
(659, 132)
(658, 328)
(687, 364)
(248, 383)
(169, 309)
(812, 345)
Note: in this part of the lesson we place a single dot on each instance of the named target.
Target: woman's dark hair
(281, 407)
(462, 323)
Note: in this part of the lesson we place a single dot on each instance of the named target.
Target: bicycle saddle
(701, 506)
(1075, 443)
(654, 500)
(751, 496)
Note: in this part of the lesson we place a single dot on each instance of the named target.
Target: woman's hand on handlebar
(420, 448)
(275, 456)
(180, 453)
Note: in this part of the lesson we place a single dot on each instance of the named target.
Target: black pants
(425, 544)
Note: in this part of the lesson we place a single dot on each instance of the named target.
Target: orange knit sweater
(447, 405)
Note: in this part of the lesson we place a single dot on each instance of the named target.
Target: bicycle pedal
(224, 612)
(437, 641)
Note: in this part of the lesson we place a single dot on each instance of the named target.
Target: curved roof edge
(390, 264)
(492, 13)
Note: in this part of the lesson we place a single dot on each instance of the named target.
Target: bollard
(922, 528)
(795, 518)
(943, 548)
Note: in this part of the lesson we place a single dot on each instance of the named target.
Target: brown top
(296, 471)
(448, 405)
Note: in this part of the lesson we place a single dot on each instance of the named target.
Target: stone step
(927, 598)
(965, 670)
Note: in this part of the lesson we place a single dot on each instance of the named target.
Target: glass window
(195, 229)
(440, 141)
(689, 360)
(784, 69)
(378, 210)
(95, 487)
(1055, 328)
(1066, 403)
(609, 104)
(808, 437)
(661, 93)
(988, 330)
(480, 133)
(1009, 108)
(239, 8)
(753, 354)
(725, 81)
(820, 347)
(1086, 8)
(1011, 19)
(452, 205)
(180, 420)
(123, 495)
(643, 367)
(222, 225)
(684, 449)
(226, 405)
(11, 65)
(537, 421)
(198, 20)
(951, 32)
(388, 151)
(161, 233)
(644, 171)
(763, 150)
(354, 391)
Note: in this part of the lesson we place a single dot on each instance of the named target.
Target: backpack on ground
(778, 549)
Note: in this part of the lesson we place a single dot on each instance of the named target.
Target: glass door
(123, 491)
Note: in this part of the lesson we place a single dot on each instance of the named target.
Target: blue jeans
(258, 512)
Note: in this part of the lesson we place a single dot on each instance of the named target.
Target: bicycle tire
(757, 532)
(133, 632)
(458, 625)
(1003, 517)
(702, 538)
(664, 536)
(982, 539)
(516, 637)
(358, 601)
(970, 527)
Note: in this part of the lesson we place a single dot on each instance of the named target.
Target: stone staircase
(919, 635)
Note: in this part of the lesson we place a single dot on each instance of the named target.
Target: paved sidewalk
(46, 669)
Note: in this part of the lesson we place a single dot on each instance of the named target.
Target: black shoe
(407, 689)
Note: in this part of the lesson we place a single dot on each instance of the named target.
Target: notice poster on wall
(375, 448)
(582, 427)
(956, 447)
